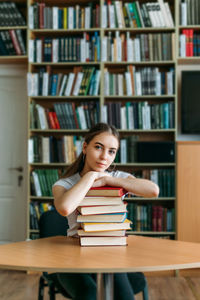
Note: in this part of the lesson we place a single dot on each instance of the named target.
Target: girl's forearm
(71, 199)
(136, 186)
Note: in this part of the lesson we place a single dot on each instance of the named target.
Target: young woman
(92, 169)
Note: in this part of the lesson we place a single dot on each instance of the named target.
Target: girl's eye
(98, 147)
(112, 152)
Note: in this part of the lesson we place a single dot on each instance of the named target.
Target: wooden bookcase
(115, 67)
(188, 154)
(16, 59)
(188, 163)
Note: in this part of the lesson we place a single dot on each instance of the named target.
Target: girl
(92, 169)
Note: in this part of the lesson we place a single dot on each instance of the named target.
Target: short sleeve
(120, 174)
(68, 182)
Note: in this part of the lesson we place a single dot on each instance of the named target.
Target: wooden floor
(20, 286)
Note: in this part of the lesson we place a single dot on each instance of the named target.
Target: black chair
(51, 223)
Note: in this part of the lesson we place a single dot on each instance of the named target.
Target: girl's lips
(100, 164)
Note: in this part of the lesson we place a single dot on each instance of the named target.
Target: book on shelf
(136, 15)
(103, 241)
(93, 227)
(9, 43)
(141, 115)
(103, 209)
(65, 49)
(10, 15)
(147, 81)
(113, 217)
(72, 17)
(42, 181)
(150, 217)
(106, 191)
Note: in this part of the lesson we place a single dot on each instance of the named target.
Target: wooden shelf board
(146, 164)
(188, 60)
(196, 27)
(43, 198)
(65, 97)
(13, 27)
(141, 29)
(65, 63)
(164, 62)
(141, 97)
(69, 131)
(49, 30)
(14, 59)
(117, 164)
(46, 198)
(149, 199)
(74, 131)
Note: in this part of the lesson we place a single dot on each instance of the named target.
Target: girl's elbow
(62, 210)
(155, 191)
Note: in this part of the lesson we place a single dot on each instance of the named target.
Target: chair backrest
(51, 223)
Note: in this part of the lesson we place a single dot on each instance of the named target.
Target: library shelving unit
(188, 30)
(113, 69)
(13, 32)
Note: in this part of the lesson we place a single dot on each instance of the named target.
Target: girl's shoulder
(68, 182)
(120, 174)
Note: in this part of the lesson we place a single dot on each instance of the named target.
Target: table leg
(100, 289)
(108, 286)
(105, 286)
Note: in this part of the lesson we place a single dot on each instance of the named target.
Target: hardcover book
(106, 191)
(87, 201)
(115, 217)
(103, 241)
(91, 210)
(93, 227)
(82, 232)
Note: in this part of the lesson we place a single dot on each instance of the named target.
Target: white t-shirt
(68, 183)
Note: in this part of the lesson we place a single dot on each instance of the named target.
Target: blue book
(165, 107)
(54, 84)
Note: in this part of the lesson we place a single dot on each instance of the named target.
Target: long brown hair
(99, 128)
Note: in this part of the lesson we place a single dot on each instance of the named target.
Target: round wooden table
(64, 254)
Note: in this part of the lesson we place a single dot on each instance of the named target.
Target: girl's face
(100, 152)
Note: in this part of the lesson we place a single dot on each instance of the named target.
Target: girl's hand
(101, 179)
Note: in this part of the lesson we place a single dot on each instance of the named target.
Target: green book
(136, 15)
(88, 80)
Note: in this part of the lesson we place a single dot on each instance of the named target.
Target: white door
(13, 141)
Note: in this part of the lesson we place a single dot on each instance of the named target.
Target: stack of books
(102, 217)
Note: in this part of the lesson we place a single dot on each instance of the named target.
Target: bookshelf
(187, 148)
(102, 99)
(13, 32)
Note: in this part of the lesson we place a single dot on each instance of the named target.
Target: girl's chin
(100, 169)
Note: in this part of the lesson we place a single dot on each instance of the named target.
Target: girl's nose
(104, 154)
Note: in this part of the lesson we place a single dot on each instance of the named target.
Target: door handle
(19, 169)
(20, 178)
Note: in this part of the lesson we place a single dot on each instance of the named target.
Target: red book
(15, 42)
(106, 191)
(186, 33)
(56, 120)
(154, 218)
(190, 46)
(51, 120)
(41, 15)
(159, 218)
(74, 114)
(97, 19)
